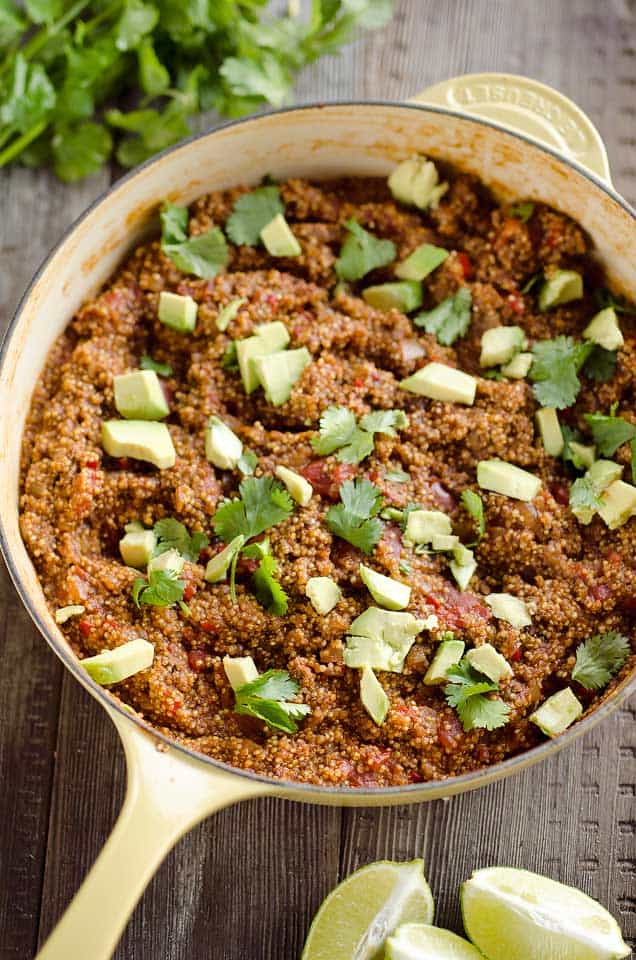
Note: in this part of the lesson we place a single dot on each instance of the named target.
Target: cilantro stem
(7, 134)
(12, 151)
(39, 39)
(233, 576)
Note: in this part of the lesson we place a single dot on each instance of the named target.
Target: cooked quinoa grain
(576, 580)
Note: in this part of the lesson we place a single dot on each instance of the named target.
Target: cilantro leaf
(162, 589)
(384, 421)
(247, 463)
(601, 364)
(465, 692)
(605, 299)
(522, 211)
(338, 431)
(599, 658)
(173, 535)
(554, 370)
(361, 252)
(229, 360)
(267, 699)
(610, 432)
(264, 502)
(475, 507)
(583, 495)
(354, 519)
(153, 76)
(80, 149)
(163, 369)
(137, 19)
(11, 23)
(337, 425)
(29, 97)
(203, 255)
(360, 446)
(267, 80)
(174, 223)
(267, 588)
(253, 211)
(450, 319)
(483, 712)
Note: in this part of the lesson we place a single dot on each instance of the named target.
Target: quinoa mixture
(577, 580)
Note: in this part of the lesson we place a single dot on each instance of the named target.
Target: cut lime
(418, 941)
(516, 915)
(357, 917)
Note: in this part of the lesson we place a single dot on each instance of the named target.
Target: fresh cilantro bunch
(355, 518)
(361, 252)
(60, 63)
(173, 535)
(599, 658)
(354, 442)
(465, 691)
(268, 698)
(450, 319)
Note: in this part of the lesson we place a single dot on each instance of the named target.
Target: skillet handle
(167, 794)
(528, 107)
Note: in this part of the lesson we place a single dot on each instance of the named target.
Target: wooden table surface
(245, 884)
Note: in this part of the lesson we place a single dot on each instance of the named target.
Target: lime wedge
(418, 941)
(516, 915)
(357, 917)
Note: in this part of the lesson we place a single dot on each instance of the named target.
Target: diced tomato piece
(189, 591)
(92, 464)
(327, 478)
(459, 608)
(517, 653)
(466, 265)
(516, 301)
(84, 628)
(209, 626)
(358, 382)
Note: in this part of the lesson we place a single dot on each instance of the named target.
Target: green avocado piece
(112, 666)
(373, 696)
(582, 455)
(298, 488)
(415, 182)
(387, 592)
(507, 479)
(138, 396)
(490, 662)
(177, 312)
(604, 330)
(141, 440)
(557, 713)
(268, 338)
(137, 547)
(278, 372)
(405, 296)
(447, 655)
(170, 561)
(441, 382)
(462, 566)
(444, 541)
(560, 287)
(239, 671)
(507, 607)
(323, 594)
(219, 564)
(550, 430)
(500, 344)
(62, 614)
(421, 262)
(222, 447)
(381, 639)
(602, 473)
(278, 238)
(518, 367)
(423, 525)
(227, 313)
(618, 504)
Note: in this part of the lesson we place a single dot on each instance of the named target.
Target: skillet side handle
(528, 107)
(167, 794)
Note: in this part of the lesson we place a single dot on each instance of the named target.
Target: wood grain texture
(244, 884)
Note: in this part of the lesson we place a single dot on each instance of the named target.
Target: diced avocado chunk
(490, 662)
(219, 564)
(463, 565)
(227, 313)
(373, 697)
(441, 382)
(518, 367)
(140, 439)
(112, 666)
(177, 312)
(298, 488)
(239, 671)
(423, 525)
(500, 344)
(381, 639)
(618, 504)
(415, 182)
(604, 330)
(550, 430)
(444, 541)
(404, 296)
(602, 473)
(137, 547)
(278, 238)
(462, 555)
(65, 613)
(447, 655)
(560, 287)
(170, 561)
(421, 262)
(387, 592)
(582, 455)
(557, 713)
(507, 479)
(323, 593)
(222, 447)
(269, 338)
(511, 609)
(278, 372)
(138, 396)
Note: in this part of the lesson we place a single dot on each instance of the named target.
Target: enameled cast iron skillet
(523, 140)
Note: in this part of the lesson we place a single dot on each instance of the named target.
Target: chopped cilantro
(247, 462)
(404, 567)
(606, 299)
(532, 282)
(384, 421)
(569, 455)
(554, 370)
(601, 364)
(475, 507)
(267, 588)
(465, 692)
(203, 255)
(267, 698)
(522, 211)
(162, 588)
(227, 313)
(229, 360)
(599, 658)
(354, 519)
(163, 369)
(263, 503)
(361, 252)
(253, 211)
(450, 319)
(172, 535)
(337, 425)
(338, 431)
(610, 432)
(583, 495)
